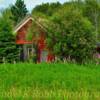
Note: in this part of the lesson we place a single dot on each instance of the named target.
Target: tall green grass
(49, 81)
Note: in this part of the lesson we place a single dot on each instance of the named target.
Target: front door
(27, 52)
(23, 52)
(43, 56)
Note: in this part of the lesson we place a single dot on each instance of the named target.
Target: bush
(73, 35)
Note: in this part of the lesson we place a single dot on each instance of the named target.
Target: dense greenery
(71, 32)
(72, 35)
(47, 8)
(89, 8)
(72, 28)
(49, 81)
(92, 12)
(19, 11)
(8, 50)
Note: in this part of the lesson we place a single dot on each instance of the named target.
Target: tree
(72, 35)
(6, 14)
(47, 9)
(92, 12)
(8, 49)
(19, 11)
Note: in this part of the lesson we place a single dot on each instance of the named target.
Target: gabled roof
(25, 20)
(22, 23)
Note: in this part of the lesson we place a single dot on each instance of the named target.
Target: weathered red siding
(21, 34)
(21, 39)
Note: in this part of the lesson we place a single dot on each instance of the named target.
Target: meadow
(49, 81)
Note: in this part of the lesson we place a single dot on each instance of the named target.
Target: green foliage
(70, 27)
(33, 31)
(19, 11)
(47, 9)
(72, 35)
(92, 12)
(29, 34)
(70, 32)
(6, 14)
(50, 80)
(8, 50)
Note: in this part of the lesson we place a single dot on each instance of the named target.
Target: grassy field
(49, 82)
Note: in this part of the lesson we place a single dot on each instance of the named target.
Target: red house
(35, 49)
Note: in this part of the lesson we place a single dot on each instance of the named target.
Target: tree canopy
(8, 50)
(19, 11)
(72, 28)
(71, 32)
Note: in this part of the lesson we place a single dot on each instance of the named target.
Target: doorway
(44, 56)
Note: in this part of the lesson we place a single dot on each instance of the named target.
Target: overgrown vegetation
(72, 28)
(72, 35)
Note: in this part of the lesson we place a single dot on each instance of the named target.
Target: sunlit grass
(59, 81)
